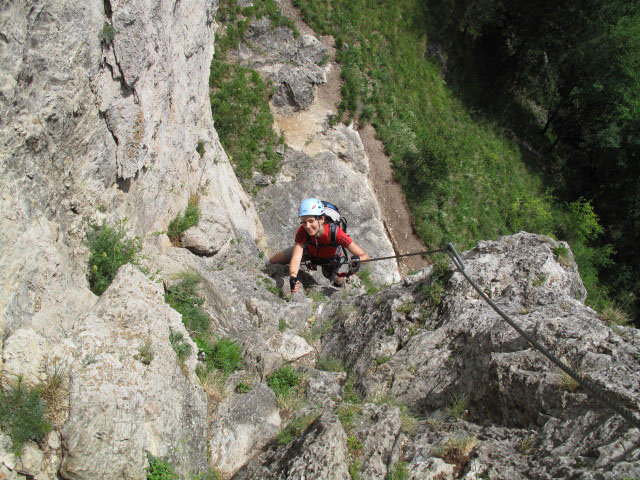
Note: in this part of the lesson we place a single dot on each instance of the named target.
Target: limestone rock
(291, 63)
(321, 452)
(245, 423)
(324, 388)
(24, 354)
(470, 353)
(290, 346)
(207, 238)
(377, 429)
(121, 407)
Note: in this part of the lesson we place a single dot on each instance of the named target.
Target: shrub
(22, 415)
(283, 380)
(182, 222)
(614, 315)
(160, 469)
(110, 248)
(457, 408)
(398, 471)
(145, 353)
(242, 387)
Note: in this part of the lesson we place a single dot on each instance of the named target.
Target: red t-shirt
(316, 246)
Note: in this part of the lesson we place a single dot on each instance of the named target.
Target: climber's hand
(294, 283)
(355, 264)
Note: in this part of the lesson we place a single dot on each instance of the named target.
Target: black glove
(294, 284)
(355, 264)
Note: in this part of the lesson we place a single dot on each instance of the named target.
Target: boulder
(245, 423)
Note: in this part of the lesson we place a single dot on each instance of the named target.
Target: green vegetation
(107, 34)
(463, 178)
(457, 407)
(381, 360)
(347, 414)
(242, 387)
(200, 148)
(351, 395)
(282, 324)
(223, 354)
(283, 380)
(160, 469)
(145, 353)
(182, 222)
(398, 471)
(179, 345)
(239, 97)
(22, 415)
(110, 248)
(355, 468)
(184, 298)
(295, 428)
(365, 276)
(330, 364)
(613, 315)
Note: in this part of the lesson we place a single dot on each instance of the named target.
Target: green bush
(110, 248)
(22, 415)
(283, 380)
(182, 222)
(330, 364)
(184, 298)
(160, 469)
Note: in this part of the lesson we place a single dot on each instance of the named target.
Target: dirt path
(393, 206)
(303, 131)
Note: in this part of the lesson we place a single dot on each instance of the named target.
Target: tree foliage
(563, 76)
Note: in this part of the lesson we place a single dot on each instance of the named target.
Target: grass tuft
(283, 380)
(183, 222)
(22, 415)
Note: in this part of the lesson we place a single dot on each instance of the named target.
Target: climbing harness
(588, 385)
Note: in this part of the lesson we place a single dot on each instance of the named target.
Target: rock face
(123, 404)
(102, 109)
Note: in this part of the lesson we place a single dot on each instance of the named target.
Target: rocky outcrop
(292, 63)
(103, 112)
(432, 342)
(125, 402)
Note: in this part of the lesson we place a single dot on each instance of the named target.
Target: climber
(313, 245)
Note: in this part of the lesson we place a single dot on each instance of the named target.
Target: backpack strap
(333, 234)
